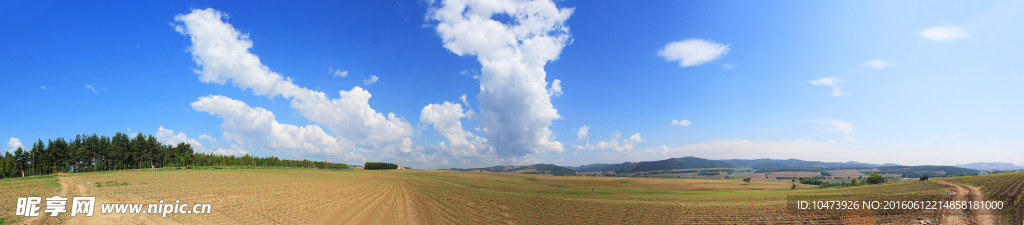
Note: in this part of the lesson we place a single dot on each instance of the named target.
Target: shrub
(874, 178)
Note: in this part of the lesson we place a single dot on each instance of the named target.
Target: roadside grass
(7, 220)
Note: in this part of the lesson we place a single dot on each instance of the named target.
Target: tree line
(87, 153)
(874, 178)
(379, 166)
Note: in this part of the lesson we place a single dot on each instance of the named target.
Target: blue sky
(908, 82)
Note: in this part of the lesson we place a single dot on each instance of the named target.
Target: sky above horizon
(480, 83)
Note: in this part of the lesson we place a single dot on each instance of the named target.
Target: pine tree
(38, 158)
(22, 159)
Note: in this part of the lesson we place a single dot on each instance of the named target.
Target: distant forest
(88, 153)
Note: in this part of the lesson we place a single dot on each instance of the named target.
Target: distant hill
(782, 163)
(771, 165)
(674, 163)
(930, 171)
(991, 166)
(597, 167)
(531, 169)
(689, 162)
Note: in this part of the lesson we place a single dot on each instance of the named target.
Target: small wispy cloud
(828, 81)
(582, 132)
(371, 80)
(42, 87)
(681, 123)
(838, 91)
(727, 67)
(877, 64)
(625, 145)
(692, 52)
(945, 33)
(474, 73)
(337, 72)
(207, 137)
(556, 88)
(844, 127)
(89, 86)
(13, 144)
(833, 82)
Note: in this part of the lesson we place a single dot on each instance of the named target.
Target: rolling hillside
(597, 167)
(673, 163)
(991, 166)
(777, 163)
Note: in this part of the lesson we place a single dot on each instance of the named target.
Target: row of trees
(87, 153)
(379, 166)
(93, 153)
(874, 178)
(208, 159)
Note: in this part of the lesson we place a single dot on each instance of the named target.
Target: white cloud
(207, 137)
(515, 106)
(222, 54)
(88, 86)
(371, 80)
(945, 33)
(235, 152)
(615, 144)
(463, 98)
(680, 123)
(877, 64)
(828, 81)
(338, 72)
(244, 124)
(42, 87)
(838, 91)
(837, 126)
(831, 81)
(13, 144)
(167, 137)
(446, 120)
(556, 88)
(583, 147)
(582, 132)
(472, 73)
(692, 52)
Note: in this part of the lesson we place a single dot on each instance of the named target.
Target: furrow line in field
(361, 204)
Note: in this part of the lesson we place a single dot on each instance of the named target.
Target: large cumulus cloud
(222, 55)
(512, 40)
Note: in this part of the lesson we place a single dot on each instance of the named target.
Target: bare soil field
(11, 189)
(304, 196)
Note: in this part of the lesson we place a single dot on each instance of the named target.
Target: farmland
(306, 196)
(1007, 187)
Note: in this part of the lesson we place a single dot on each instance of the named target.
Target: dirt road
(963, 192)
(72, 187)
